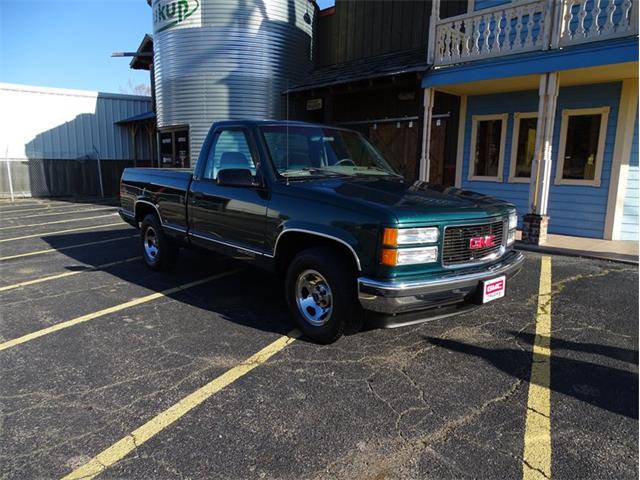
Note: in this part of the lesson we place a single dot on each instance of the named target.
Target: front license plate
(493, 289)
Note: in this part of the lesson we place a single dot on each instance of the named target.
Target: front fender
(325, 231)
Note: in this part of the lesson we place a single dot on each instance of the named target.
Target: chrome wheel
(314, 298)
(150, 244)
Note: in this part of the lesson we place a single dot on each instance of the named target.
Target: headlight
(512, 237)
(513, 220)
(409, 256)
(409, 236)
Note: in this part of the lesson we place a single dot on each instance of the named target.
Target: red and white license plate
(493, 289)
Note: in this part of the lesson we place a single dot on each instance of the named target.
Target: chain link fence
(68, 174)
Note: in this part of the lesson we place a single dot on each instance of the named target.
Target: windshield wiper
(320, 170)
(380, 169)
(313, 170)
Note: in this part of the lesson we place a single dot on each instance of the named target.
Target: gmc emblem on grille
(482, 242)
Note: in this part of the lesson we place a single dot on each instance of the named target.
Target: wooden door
(399, 145)
(437, 170)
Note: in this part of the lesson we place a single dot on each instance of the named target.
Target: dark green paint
(352, 209)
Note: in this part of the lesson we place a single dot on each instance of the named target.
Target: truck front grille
(456, 244)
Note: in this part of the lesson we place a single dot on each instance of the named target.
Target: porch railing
(529, 25)
(592, 20)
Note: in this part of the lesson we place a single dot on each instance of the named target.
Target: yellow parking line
(140, 435)
(116, 308)
(22, 217)
(48, 207)
(537, 436)
(46, 234)
(65, 274)
(59, 221)
(61, 249)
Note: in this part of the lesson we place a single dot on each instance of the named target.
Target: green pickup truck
(320, 207)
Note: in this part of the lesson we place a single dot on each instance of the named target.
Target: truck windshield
(306, 151)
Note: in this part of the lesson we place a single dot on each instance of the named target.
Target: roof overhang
(144, 54)
(413, 61)
(149, 117)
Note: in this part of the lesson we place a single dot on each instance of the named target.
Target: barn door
(438, 171)
(398, 142)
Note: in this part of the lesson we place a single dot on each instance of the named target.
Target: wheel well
(290, 244)
(144, 209)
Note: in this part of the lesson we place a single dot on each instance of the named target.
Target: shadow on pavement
(250, 297)
(603, 386)
(618, 353)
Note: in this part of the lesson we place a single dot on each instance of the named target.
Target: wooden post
(462, 122)
(627, 112)
(133, 130)
(426, 135)
(535, 222)
(433, 22)
(150, 127)
(558, 26)
(541, 166)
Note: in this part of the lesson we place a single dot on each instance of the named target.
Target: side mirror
(236, 177)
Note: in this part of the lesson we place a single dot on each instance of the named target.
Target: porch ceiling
(578, 76)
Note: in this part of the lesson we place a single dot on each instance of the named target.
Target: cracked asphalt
(444, 399)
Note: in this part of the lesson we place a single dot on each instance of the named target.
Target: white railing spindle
(527, 25)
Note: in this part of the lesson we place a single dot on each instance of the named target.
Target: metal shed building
(52, 140)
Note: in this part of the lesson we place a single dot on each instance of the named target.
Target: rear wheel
(158, 251)
(320, 287)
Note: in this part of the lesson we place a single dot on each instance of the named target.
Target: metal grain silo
(227, 59)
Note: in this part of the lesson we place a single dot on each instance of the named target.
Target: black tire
(158, 252)
(336, 272)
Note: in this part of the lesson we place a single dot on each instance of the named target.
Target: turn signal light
(389, 256)
(390, 237)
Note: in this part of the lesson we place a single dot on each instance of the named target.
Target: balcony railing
(529, 25)
(592, 20)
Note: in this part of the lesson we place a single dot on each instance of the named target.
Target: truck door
(222, 217)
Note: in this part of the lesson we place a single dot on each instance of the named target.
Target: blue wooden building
(548, 108)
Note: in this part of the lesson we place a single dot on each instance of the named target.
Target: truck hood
(410, 204)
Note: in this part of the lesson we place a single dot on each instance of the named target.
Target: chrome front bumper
(396, 297)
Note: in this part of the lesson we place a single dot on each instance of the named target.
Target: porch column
(621, 157)
(426, 135)
(536, 221)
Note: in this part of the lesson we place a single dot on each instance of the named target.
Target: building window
(488, 134)
(174, 148)
(581, 151)
(523, 146)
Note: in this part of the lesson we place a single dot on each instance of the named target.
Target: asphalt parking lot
(109, 369)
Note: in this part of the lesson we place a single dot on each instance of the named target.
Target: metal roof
(141, 117)
(365, 68)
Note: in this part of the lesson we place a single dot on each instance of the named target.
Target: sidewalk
(625, 251)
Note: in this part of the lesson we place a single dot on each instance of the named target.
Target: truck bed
(165, 188)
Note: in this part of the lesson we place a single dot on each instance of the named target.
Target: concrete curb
(609, 256)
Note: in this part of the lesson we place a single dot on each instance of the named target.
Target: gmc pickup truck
(322, 208)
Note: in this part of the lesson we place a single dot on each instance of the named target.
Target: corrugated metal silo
(227, 59)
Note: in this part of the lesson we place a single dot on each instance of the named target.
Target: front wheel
(321, 293)
(158, 251)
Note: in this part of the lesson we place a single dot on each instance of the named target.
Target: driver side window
(229, 150)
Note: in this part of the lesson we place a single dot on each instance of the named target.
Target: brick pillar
(534, 229)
